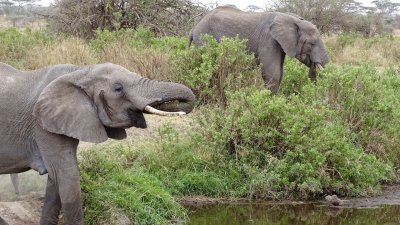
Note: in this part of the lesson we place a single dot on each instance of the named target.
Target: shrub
(301, 149)
(112, 190)
(216, 68)
(368, 103)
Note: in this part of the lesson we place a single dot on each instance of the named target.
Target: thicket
(340, 136)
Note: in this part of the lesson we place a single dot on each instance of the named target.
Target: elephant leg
(59, 156)
(14, 180)
(272, 58)
(52, 204)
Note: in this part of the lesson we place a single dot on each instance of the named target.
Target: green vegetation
(339, 136)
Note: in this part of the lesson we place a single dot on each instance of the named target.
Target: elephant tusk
(162, 113)
(320, 67)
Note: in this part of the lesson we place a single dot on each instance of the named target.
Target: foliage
(216, 68)
(115, 189)
(297, 148)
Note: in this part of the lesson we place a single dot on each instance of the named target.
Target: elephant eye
(118, 87)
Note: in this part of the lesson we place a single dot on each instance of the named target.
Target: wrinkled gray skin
(46, 112)
(270, 35)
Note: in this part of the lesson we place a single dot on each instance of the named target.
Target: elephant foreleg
(52, 204)
(63, 190)
(272, 67)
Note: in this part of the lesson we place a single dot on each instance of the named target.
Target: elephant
(46, 112)
(270, 36)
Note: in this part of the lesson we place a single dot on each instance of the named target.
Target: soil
(25, 209)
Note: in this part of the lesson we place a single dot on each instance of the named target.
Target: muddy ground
(24, 209)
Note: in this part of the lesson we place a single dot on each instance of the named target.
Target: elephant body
(44, 114)
(19, 151)
(270, 36)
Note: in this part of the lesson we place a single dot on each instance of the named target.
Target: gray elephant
(270, 35)
(46, 112)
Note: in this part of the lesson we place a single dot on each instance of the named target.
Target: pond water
(292, 214)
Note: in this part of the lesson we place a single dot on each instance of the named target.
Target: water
(292, 214)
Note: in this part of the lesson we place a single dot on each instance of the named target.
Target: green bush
(369, 105)
(215, 68)
(301, 149)
(112, 190)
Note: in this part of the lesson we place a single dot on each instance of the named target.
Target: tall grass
(70, 50)
(353, 49)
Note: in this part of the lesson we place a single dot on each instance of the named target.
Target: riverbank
(25, 209)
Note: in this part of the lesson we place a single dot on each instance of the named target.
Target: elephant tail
(190, 39)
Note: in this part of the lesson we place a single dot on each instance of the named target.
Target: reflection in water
(246, 214)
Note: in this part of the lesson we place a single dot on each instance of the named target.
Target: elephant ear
(285, 31)
(64, 108)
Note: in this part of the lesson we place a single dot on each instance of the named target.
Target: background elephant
(46, 112)
(270, 36)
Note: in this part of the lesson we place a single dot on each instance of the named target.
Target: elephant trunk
(167, 98)
(312, 73)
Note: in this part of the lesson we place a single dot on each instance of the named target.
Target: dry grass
(69, 50)
(396, 33)
(22, 23)
(379, 52)
(148, 63)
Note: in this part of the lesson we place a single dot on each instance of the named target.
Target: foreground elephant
(45, 113)
(270, 36)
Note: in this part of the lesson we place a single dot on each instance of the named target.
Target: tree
(328, 15)
(18, 11)
(5, 6)
(82, 18)
(331, 16)
(386, 7)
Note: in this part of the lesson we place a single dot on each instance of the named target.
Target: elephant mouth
(169, 107)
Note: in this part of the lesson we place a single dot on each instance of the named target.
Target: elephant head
(300, 39)
(100, 101)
